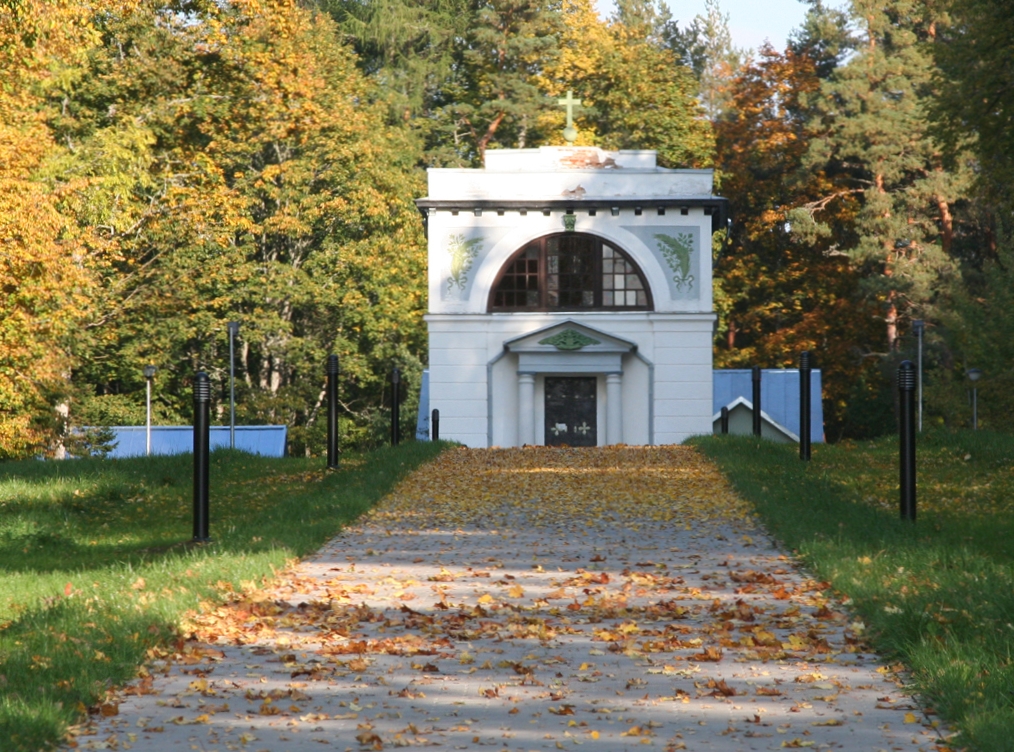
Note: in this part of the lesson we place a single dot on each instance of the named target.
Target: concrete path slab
(537, 599)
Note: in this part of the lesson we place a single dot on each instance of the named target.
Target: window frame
(543, 306)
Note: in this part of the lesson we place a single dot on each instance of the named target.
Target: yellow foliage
(558, 485)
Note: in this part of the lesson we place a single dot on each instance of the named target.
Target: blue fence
(268, 441)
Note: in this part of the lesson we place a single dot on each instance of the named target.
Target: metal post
(202, 404)
(756, 376)
(906, 431)
(974, 374)
(147, 419)
(804, 405)
(919, 327)
(435, 425)
(233, 331)
(332, 411)
(395, 406)
(723, 421)
(149, 373)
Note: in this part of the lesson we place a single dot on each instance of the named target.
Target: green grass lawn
(96, 570)
(937, 595)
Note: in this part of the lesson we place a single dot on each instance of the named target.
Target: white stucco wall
(667, 367)
(674, 348)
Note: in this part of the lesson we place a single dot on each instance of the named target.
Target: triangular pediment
(569, 337)
(742, 403)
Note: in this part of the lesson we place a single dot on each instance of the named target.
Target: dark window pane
(520, 282)
(580, 273)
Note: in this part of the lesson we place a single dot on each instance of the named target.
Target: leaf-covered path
(530, 599)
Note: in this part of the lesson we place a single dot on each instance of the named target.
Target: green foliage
(976, 336)
(234, 158)
(936, 595)
(873, 140)
(705, 46)
(635, 93)
(97, 569)
(976, 103)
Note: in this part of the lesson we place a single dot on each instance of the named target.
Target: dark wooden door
(570, 411)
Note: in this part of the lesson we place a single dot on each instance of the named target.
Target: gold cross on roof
(570, 132)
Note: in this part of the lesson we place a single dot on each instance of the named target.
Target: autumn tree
(46, 261)
(636, 95)
(779, 292)
(233, 155)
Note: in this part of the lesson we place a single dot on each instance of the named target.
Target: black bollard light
(804, 404)
(395, 407)
(435, 425)
(906, 433)
(723, 421)
(332, 411)
(202, 404)
(756, 376)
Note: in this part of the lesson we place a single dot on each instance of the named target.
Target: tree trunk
(488, 136)
(946, 224)
(892, 323)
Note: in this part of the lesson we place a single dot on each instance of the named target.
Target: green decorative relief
(569, 222)
(463, 253)
(677, 254)
(569, 339)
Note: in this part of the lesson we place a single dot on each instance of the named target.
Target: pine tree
(976, 105)
(875, 141)
(494, 98)
(705, 46)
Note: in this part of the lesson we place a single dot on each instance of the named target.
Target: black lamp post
(918, 329)
(233, 331)
(332, 410)
(395, 406)
(149, 374)
(974, 374)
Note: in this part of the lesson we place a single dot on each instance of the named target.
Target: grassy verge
(937, 595)
(95, 569)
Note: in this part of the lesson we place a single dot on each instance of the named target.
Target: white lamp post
(233, 331)
(149, 374)
(974, 374)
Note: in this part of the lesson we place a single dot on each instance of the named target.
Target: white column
(526, 409)
(614, 409)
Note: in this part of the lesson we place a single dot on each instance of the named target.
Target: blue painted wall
(779, 395)
(268, 441)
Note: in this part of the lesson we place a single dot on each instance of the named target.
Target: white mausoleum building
(570, 298)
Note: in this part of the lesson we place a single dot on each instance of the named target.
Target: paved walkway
(535, 599)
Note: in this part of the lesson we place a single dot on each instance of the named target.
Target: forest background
(168, 167)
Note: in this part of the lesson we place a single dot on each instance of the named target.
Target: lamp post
(149, 374)
(919, 328)
(233, 331)
(974, 374)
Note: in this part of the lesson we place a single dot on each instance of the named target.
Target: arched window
(570, 272)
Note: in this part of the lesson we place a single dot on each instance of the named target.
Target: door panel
(571, 411)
